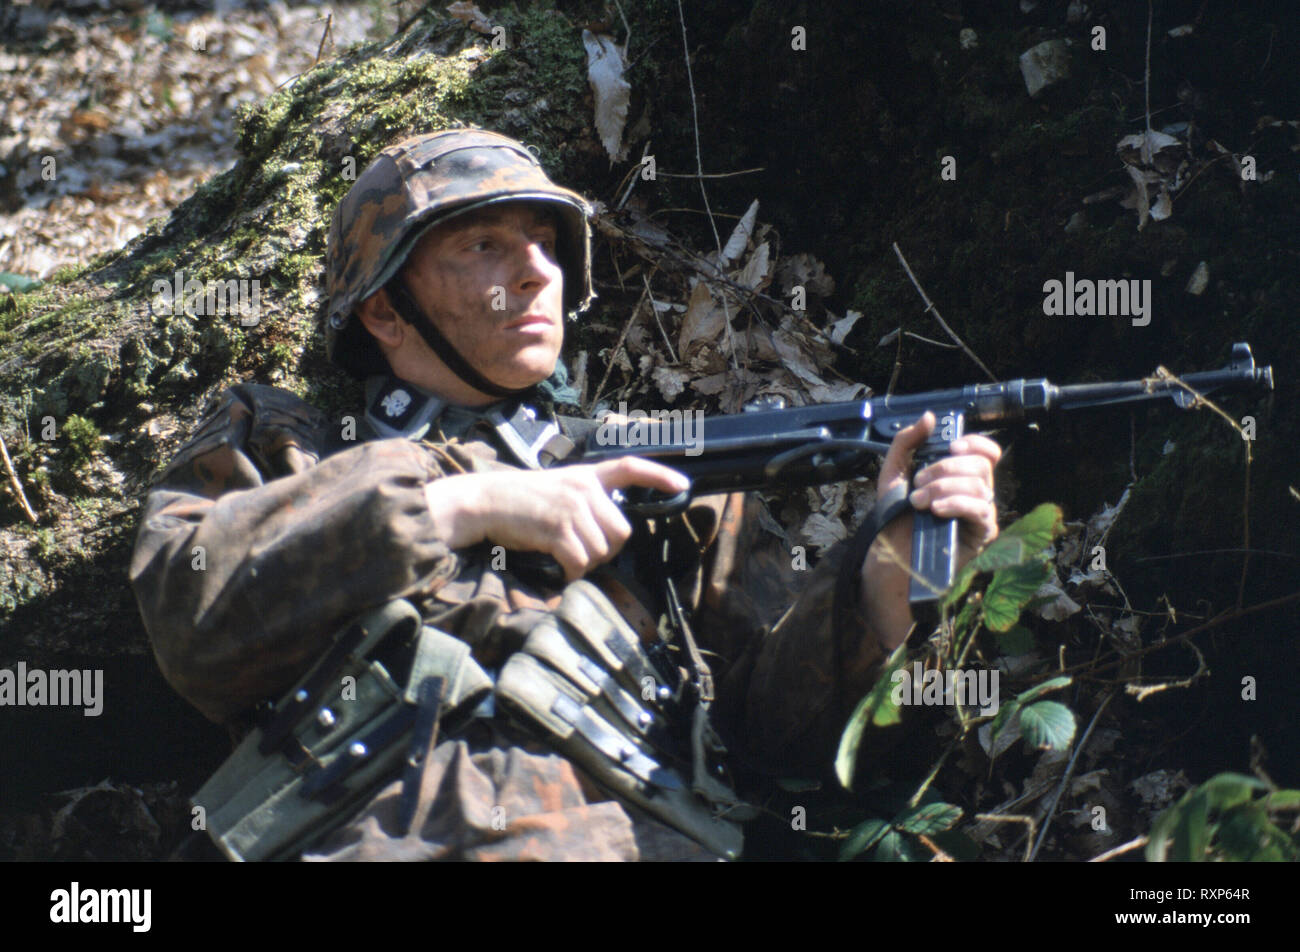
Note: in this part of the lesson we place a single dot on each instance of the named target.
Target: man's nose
(536, 269)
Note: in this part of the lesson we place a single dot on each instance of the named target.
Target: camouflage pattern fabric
(503, 800)
(266, 534)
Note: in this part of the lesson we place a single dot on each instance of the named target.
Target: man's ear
(379, 318)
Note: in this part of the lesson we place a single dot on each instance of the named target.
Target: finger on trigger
(982, 446)
(634, 471)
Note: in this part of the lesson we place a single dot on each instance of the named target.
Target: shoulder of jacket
(259, 420)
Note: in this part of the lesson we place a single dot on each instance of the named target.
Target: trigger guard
(652, 504)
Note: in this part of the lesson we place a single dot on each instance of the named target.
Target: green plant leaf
(928, 818)
(1047, 725)
(1191, 831)
(862, 837)
(1008, 710)
(1020, 541)
(17, 283)
(959, 587)
(1017, 640)
(1283, 800)
(962, 625)
(1241, 831)
(879, 698)
(1226, 790)
(1010, 588)
(1038, 690)
(1162, 831)
(896, 847)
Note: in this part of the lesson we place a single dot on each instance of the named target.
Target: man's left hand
(959, 486)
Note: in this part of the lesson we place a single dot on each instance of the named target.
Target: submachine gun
(768, 446)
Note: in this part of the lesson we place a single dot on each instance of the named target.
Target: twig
(1212, 623)
(1146, 85)
(329, 20)
(654, 310)
(14, 481)
(1199, 400)
(893, 333)
(613, 355)
(704, 175)
(686, 258)
(699, 168)
(627, 40)
(939, 855)
(1128, 847)
(1065, 779)
(1179, 555)
(1011, 818)
(930, 308)
(1140, 692)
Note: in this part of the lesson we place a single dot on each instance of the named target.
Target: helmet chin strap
(404, 303)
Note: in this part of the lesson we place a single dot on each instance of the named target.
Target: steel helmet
(408, 188)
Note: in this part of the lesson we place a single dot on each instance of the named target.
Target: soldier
(451, 263)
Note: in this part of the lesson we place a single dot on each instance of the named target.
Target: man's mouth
(530, 322)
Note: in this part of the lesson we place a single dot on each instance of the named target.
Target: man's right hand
(565, 511)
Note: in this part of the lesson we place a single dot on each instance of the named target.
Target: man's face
(490, 282)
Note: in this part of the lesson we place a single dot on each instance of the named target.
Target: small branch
(329, 20)
(699, 169)
(1201, 400)
(704, 175)
(1140, 692)
(1181, 555)
(14, 481)
(654, 310)
(939, 855)
(1128, 847)
(931, 309)
(1146, 143)
(627, 40)
(1090, 668)
(1011, 818)
(613, 355)
(1065, 779)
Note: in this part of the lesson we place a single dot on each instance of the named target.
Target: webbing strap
(848, 584)
(404, 304)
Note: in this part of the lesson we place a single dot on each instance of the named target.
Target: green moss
(81, 436)
(18, 590)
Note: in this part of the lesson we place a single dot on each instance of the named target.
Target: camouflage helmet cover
(420, 182)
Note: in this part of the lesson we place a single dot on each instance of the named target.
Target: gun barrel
(1240, 374)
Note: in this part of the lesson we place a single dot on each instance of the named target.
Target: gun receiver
(827, 443)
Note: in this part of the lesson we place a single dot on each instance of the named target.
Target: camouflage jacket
(268, 531)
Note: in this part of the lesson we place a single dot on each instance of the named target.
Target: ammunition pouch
(633, 721)
(339, 733)
(583, 681)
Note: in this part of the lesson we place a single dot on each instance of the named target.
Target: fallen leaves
(130, 115)
(605, 67)
(471, 16)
